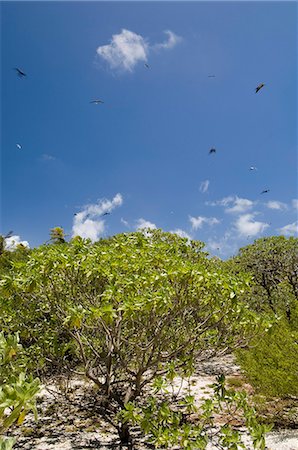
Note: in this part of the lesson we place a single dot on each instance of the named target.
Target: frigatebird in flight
(212, 150)
(105, 214)
(147, 65)
(8, 235)
(265, 191)
(97, 101)
(259, 87)
(20, 72)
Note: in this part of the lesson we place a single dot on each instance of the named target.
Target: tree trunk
(124, 435)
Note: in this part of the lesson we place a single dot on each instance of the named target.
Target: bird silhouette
(259, 87)
(211, 76)
(19, 146)
(253, 168)
(147, 65)
(212, 150)
(265, 191)
(105, 214)
(97, 101)
(20, 73)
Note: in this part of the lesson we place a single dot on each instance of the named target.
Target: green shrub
(125, 307)
(17, 390)
(271, 364)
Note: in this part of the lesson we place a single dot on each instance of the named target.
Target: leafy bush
(17, 391)
(169, 425)
(271, 364)
(273, 263)
(123, 308)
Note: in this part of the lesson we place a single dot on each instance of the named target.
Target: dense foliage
(271, 363)
(120, 310)
(17, 389)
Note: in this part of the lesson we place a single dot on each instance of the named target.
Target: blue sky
(143, 155)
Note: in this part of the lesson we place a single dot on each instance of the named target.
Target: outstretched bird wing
(20, 72)
(259, 87)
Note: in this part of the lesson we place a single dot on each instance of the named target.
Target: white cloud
(226, 245)
(12, 242)
(127, 49)
(290, 229)
(246, 225)
(124, 222)
(238, 204)
(142, 223)
(295, 203)
(88, 228)
(204, 186)
(274, 204)
(88, 224)
(171, 42)
(223, 202)
(46, 157)
(198, 222)
(181, 233)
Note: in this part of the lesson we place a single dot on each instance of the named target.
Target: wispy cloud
(127, 49)
(246, 225)
(290, 229)
(222, 245)
(198, 222)
(46, 157)
(142, 223)
(223, 202)
(12, 242)
(225, 245)
(88, 222)
(171, 41)
(124, 222)
(204, 186)
(275, 204)
(233, 204)
(181, 233)
(240, 205)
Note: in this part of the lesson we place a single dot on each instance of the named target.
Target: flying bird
(253, 168)
(259, 87)
(211, 76)
(20, 72)
(97, 101)
(19, 146)
(105, 214)
(212, 150)
(265, 191)
(8, 235)
(147, 65)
